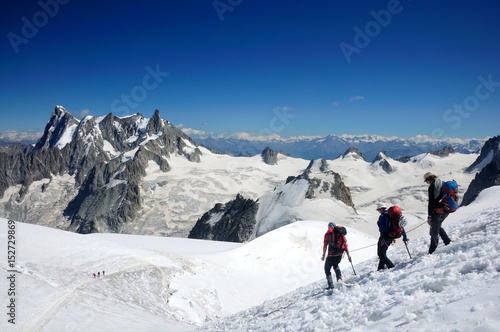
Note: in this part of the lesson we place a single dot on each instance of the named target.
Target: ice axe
(406, 245)
(353, 269)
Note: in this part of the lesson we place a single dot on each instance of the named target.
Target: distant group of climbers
(98, 274)
(391, 224)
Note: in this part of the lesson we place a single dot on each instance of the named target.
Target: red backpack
(396, 222)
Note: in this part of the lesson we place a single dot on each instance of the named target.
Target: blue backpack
(449, 198)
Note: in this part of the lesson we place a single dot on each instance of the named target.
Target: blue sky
(291, 68)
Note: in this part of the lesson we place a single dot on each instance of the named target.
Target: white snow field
(274, 282)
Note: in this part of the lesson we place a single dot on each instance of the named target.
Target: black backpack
(338, 239)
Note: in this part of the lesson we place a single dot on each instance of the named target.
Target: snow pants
(333, 261)
(382, 246)
(437, 231)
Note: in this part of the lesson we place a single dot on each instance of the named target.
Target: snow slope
(455, 289)
(273, 282)
(167, 284)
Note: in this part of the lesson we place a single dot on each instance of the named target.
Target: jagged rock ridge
(107, 157)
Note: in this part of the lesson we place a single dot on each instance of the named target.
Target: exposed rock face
(444, 152)
(488, 167)
(232, 222)
(107, 157)
(242, 219)
(382, 162)
(323, 181)
(353, 153)
(269, 156)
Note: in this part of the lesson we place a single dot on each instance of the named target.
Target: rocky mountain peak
(489, 151)
(155, 124)
(381, 156)
(381, 161)
(106, 155)
(60, 122)
(324, 182)
(269, 156)
(353, 153)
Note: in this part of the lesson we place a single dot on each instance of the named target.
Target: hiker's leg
(442, 232)
(336, 261)
(328, 268)
(434, 232)
(383, 245)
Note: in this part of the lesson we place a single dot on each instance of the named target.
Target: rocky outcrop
(489, 151)
(243, 219)
(269, 156)
(232, 222)
(487, 166)
(444, 152)
(381, 161)
(324, 183)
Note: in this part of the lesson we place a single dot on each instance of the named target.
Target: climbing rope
(372, 245)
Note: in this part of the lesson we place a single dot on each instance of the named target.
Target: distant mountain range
(142, 175)
(310, 148)
(332, 146)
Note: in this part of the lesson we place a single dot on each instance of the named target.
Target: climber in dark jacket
(435, 212)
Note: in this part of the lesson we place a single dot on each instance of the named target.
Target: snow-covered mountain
(86, 175)
(274, 282)
(244, 219)
(455, 289)
(140, 175)
(331, 146)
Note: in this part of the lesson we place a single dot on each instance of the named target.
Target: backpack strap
(438, 185)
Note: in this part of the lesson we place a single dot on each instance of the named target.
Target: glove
(406, 240)
(429, 219)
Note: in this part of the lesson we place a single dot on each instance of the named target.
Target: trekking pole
(353, 269)
(351, 264)
(406, 245)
